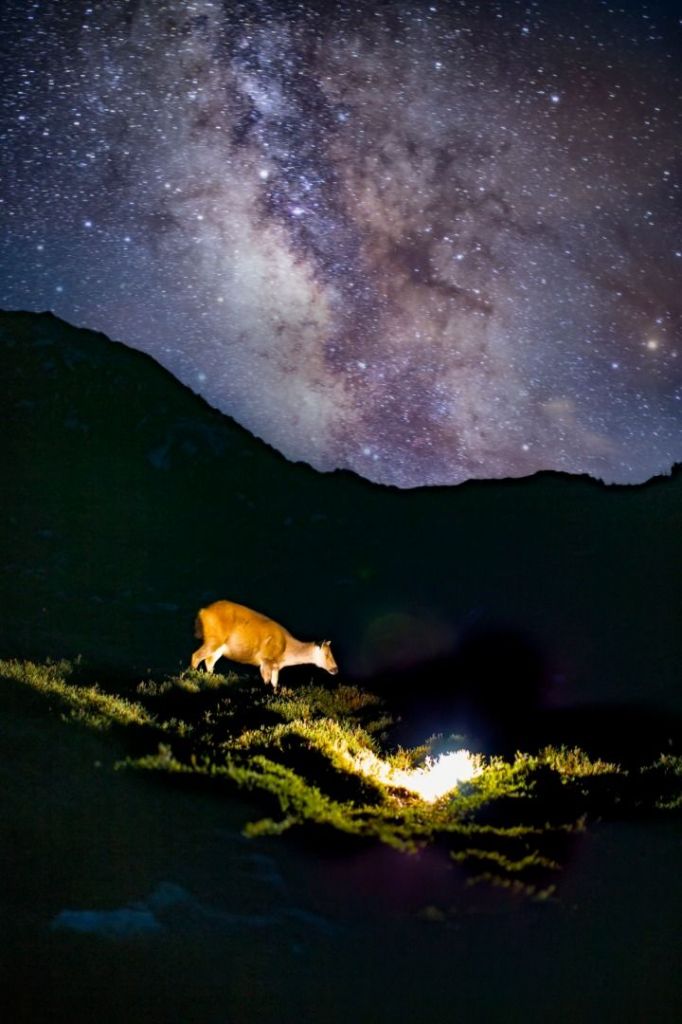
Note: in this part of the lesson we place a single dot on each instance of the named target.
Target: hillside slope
(128, 503)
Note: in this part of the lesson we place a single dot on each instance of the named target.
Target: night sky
(424, 241)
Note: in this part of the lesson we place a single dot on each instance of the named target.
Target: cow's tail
(198, 628)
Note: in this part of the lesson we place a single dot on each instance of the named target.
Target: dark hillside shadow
(628, 734)
(117, 528)
(495, 691)
(493, 682)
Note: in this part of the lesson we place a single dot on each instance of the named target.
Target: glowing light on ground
(432, 780)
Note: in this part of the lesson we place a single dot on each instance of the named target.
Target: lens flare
(432, 780)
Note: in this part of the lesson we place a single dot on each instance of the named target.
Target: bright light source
(431, 781)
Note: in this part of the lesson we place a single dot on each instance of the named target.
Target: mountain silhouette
(129, 503)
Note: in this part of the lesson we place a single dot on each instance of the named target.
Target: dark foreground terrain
(539, 615)
(141, 884)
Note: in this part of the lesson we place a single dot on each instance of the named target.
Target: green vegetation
(87, 704)
(310, 756)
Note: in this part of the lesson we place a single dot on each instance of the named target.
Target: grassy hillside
(133, 891)
(314, 760)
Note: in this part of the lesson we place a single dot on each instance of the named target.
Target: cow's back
(248, 636)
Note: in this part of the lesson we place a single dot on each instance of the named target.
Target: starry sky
(425, 241)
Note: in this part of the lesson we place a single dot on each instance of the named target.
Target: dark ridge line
(586, 479)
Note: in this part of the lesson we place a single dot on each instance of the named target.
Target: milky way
(428, 242)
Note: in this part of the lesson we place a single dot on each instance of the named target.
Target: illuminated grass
(87, 704)
(315, 760)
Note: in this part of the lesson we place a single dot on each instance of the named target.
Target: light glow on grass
(432, 780)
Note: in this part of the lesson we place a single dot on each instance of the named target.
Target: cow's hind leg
(201, 654)
(215, 655)
(209, 654)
